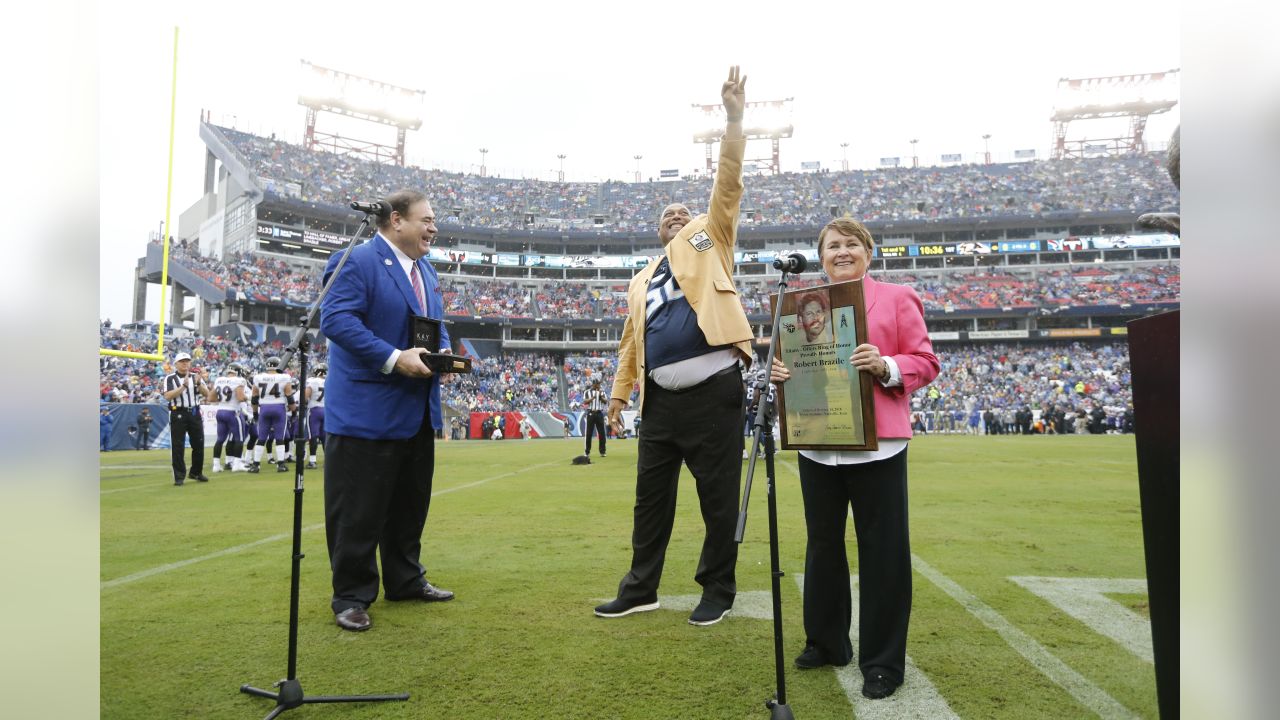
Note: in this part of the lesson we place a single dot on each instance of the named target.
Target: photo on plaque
(827, 403)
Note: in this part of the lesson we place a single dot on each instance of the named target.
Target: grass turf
(531, 544)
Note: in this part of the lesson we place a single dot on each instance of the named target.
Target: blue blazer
(365, 316)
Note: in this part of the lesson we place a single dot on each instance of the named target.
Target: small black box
(424, 332)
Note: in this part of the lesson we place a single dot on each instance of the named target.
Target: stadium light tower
(325, 90)
(844, 162)
(483, 152)
(638, 158)
(764, 120)
(1136, 97)
(915, 159)
(986, 149)
(562, 156)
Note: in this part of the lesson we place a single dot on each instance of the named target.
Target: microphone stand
(290, 693)
(763, 432)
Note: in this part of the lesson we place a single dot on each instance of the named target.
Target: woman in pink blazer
(900, 357)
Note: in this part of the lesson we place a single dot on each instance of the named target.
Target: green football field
(1029, 593)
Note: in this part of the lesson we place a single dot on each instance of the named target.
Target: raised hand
(733, 94)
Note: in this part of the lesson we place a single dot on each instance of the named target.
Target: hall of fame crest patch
(701, 241)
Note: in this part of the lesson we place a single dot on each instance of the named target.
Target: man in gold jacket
(686, 339)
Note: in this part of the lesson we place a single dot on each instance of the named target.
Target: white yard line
(240, 548)
(132, 467)
(1086, 693)
(1085, 600)
(191, 561)
(133, 487)
(916, 698)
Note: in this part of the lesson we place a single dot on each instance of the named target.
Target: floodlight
(322, 89)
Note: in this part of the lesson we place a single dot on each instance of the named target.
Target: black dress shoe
(428, 593)
(177, 482)
(198, 478)
(813, 658)
(354, 619)
(431, 593)
(877, 684)
(618, 607)
(707, 613)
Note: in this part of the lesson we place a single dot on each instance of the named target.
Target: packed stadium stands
(1047, 380)
(134, 381)
(1131, 184)
(1058, 380)
(265, 280)
(508, 382)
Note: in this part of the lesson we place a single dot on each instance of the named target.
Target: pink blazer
(895, 325)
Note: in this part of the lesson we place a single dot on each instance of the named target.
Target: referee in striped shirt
(183, 391)
(595, 400)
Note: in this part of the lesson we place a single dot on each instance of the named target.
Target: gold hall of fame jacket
(701, 258)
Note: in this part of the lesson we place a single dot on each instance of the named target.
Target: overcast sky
(601, 83)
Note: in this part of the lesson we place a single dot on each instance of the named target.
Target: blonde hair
(848, 226)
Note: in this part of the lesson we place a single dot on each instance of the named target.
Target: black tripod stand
(290, 694)
(762, 432)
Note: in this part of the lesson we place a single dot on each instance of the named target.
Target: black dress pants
(376, 497)
(186, 423)
(877, 492)
(702, 428)
(595, 422)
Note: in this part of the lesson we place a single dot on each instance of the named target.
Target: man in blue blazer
(382, 406)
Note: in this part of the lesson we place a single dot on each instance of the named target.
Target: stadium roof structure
(1133, 96)
(326, 90)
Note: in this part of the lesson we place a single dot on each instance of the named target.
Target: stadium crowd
(260, 279)
(581, 369)
(983, 388)
(1027, 389)
(507, 382)
(1050, 289)
(569, 301)
(490, 298)
(950, 290)
(128, 380)
(1130, 184)
(1080, 286)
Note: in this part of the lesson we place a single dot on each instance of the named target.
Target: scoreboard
(933, 249)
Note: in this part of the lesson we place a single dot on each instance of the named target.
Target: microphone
(378, 207)
(793, 262)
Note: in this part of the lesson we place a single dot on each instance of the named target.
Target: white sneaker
(217, 467)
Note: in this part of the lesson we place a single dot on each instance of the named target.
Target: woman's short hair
(847, 226)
